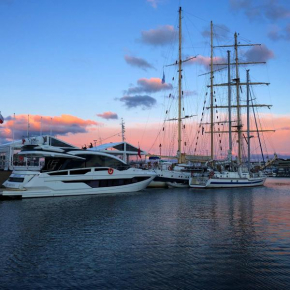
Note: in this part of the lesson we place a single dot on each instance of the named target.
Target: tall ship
(238, 129)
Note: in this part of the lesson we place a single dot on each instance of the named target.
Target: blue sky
(68, 56)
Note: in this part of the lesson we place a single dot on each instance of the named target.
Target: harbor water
(154, 239)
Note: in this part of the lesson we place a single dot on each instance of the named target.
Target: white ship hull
(90, 183)
(227, 180)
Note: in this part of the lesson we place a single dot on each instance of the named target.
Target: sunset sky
(82, 65)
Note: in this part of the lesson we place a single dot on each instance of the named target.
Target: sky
(76, 67)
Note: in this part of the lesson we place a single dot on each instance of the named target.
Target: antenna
(41, 126)
(50, 126)
(123, 129)
(13, 133)
(28, 125)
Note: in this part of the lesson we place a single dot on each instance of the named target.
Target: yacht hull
(44, 185)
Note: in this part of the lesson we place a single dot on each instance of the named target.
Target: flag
(1, 119)
(163, 78)
(139, 152)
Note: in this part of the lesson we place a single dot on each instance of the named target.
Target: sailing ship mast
(239, 125)
(230, 105)
(248, 121)
(180, 93)
(179, 89)
(211, 91)
(237, 83)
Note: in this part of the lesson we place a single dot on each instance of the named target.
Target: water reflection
(165, 239)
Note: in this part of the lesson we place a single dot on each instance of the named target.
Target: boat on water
(216, 179)
(229, 172)
(68, 172)
(171, 175)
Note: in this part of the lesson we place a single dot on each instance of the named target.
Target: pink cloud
(205, 61)
(147, 136)
(108, 115)
(151, 85)
(59, 125)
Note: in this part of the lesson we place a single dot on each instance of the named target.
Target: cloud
(259, 53)
(269, 10)
(138, 62)
(220, 31)
(258, 9)
(205, 61)
(108, 115)
(153, 3)
(152, 85)
(161, 36)
(60, 125)
(145, 102)
(277, 33)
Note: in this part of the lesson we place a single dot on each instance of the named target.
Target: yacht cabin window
(53, 164)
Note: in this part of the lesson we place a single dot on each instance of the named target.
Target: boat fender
(110, 171)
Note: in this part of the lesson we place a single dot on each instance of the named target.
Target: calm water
(156, 239)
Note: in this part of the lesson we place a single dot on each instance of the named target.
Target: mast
(211, 90)
(230, 104)
(237, 84)
(179, 90)
(41, 126)
(123, 129)
(248, 121)
(123, 140)
(239, 125)
(28, 125)
(13, 132)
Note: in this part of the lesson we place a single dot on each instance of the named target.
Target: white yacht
(74, 172)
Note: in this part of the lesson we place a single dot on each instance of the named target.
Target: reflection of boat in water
(74, 172)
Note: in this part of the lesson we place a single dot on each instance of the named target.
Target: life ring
(110, 171)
